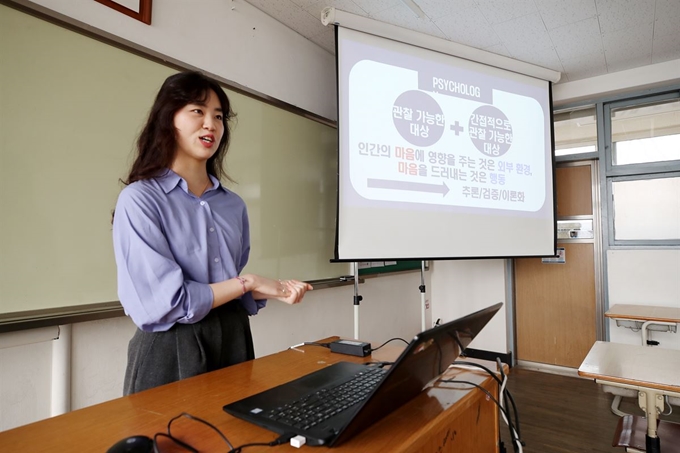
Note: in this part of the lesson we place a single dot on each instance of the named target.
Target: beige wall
(643, 277)
(235, 41)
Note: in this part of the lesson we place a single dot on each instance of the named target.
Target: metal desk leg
(645, 333)
(652, 404)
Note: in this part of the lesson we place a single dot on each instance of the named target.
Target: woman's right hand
(288, 291)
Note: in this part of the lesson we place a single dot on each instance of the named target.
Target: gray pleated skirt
(220, 339)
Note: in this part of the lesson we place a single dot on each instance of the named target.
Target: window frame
(612, 170)
(579, 156)
(647, 243)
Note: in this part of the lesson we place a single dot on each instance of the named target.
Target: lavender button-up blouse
(169, 245)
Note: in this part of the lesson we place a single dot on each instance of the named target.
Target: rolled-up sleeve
(151, 285)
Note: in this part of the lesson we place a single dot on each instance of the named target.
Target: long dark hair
(158, 140)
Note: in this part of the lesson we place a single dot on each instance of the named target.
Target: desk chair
(630, 434)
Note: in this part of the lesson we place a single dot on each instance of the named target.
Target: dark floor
(560, 414)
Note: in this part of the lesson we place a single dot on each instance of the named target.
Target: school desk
(444, 418)
(645, 317)
(652, 372)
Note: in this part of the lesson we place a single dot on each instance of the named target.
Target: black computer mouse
(132, 444)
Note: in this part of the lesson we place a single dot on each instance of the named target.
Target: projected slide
(439, 156)
(443, 136)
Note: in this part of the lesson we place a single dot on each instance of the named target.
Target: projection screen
(440, 157)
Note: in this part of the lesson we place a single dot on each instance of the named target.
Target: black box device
(350, 347)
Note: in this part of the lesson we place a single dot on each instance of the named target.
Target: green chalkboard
(71, 107)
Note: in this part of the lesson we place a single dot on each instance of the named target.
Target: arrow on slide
(411, 186)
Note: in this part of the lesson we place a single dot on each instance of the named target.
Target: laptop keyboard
(316, 407)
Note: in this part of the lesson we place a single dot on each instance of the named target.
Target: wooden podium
(446, 418)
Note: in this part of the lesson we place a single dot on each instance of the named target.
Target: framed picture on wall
(137, 9)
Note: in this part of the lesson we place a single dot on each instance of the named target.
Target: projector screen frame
(549, 168)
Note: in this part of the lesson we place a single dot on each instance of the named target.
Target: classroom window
(646, 133)
(646, 209)
(575, 132)
(643, 170)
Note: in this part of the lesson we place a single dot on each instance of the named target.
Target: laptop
(333, 404)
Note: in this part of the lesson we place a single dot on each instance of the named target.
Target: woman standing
(181, 241)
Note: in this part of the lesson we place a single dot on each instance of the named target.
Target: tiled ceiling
(579, 38)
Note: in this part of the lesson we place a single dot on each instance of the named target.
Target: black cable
(181, 443)
(174, 439)
(391, 339)
(479, 365)
(500, 383)
(511, 426)
(282, 439)
(312, 343)
(505, 412)
(488, 393)
(210, 425)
